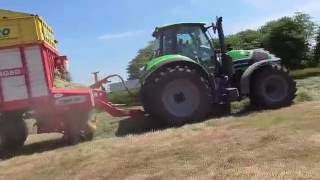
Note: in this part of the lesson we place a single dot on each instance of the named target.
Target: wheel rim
(181, 97)
(275, 88)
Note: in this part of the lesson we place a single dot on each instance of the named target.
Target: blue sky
(104, 35)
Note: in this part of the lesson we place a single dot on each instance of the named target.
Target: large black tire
(13, 132)
(79, 127)
(272, 87)
(177, 95)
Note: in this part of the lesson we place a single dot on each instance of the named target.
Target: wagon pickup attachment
(102, 101)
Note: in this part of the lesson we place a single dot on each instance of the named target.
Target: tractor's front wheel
(13, 132)
(177, 95)
(272, 87)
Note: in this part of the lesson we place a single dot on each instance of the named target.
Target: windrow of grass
(61, 83)
(308, 89)
(125, 98)
(305, 73)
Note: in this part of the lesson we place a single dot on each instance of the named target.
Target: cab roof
(181, 24)
(170, 26)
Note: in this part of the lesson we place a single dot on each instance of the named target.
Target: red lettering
(11, 72)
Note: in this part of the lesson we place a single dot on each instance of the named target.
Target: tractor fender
(246, 76)
(171, 60)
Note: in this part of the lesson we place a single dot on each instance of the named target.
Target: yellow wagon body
(21, 28)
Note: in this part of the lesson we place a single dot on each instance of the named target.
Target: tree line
(295, 39)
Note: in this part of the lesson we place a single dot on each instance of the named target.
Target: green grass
(108, 126)
(60, 83)
(304, 73)
(308, 89)
(123, 97)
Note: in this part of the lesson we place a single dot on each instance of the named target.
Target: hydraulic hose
(122, 82)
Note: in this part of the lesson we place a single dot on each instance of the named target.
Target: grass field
(308, 89)
(263, 145)
(273, 144)
(305, 73)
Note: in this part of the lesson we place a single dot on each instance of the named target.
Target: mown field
(308, 90)
(268, 144)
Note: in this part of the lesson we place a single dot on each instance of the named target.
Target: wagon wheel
(79, 127)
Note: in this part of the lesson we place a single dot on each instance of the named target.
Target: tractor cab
(193, 40)
(186, 39)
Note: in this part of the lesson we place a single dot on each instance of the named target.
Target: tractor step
(232, 94)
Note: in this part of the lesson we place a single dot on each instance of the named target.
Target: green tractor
(188, 79)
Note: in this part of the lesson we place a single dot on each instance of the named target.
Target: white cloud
(120, 35)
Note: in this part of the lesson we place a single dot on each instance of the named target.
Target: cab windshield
(188, 41)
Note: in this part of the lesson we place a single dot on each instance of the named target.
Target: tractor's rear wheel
(272, 87)
(13, 132)
(79, 127)
(177, 95)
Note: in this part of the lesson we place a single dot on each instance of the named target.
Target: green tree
(140, 60)
(306, 23)
(309, 31)
(285, 38)
(316, 57)
(249, 39)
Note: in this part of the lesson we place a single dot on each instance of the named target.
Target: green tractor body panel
(242, 59)
(238, 55)
(156, 63)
